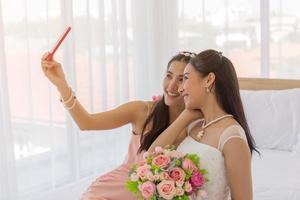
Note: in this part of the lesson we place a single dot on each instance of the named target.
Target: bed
(272, 108)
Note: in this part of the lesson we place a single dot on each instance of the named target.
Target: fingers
(47, 64)
(45, 68)
(44, 61)
(45, 55)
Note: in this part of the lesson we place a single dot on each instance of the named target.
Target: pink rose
(161, 161)
(150, 176)
(188, 187)
(187, 164)
(156, 98)
(156, 177)
(142, 171)
(179, 183)
(177, 174)
(166, 189)
(147, 189)
(197, 179)
(179, 191)
(164, 176)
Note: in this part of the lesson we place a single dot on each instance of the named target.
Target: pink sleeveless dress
(111, 186)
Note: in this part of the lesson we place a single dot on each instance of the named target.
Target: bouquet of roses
(167, 174)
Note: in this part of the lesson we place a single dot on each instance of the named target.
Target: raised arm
(124, 114)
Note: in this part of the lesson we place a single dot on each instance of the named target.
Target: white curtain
(117, 51)
(111, 56)
(7, 161)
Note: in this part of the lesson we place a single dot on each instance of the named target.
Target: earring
(207, 90)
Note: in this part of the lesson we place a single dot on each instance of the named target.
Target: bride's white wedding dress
(212, 159)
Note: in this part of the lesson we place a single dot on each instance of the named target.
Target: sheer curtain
(7, 161)
(261, 37)
(117, 51)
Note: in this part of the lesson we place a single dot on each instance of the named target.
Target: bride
(221, 138)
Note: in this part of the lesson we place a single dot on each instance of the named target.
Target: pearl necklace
(204, 126)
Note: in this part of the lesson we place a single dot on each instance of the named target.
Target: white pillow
(273, 117)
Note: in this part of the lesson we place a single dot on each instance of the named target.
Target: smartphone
(58, 43)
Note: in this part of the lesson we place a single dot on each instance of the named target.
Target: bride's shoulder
(230, 125)
(233, 136)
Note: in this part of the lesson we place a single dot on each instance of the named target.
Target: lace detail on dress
(233, 131)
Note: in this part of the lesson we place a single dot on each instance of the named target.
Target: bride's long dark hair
(226, 86)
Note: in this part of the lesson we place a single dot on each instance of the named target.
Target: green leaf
(203, 171)
(132, 170)
(193, 157)
(206, 179)
(188, 174)
(132, 186)
(183, 197)
(178, 162)
(149, 159)
(155, 169)
(153, 198)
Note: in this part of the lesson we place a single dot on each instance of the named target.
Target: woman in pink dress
(148, 120)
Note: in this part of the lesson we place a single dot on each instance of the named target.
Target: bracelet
(73, 105)
(69, 99)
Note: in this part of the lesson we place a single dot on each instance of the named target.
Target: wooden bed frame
(267, 84)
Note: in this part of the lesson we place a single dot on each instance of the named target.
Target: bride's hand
(53, 71)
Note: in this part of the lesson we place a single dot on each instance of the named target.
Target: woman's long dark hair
(160, 116)
(226, 86)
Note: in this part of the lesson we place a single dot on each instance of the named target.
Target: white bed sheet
(276, 175)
